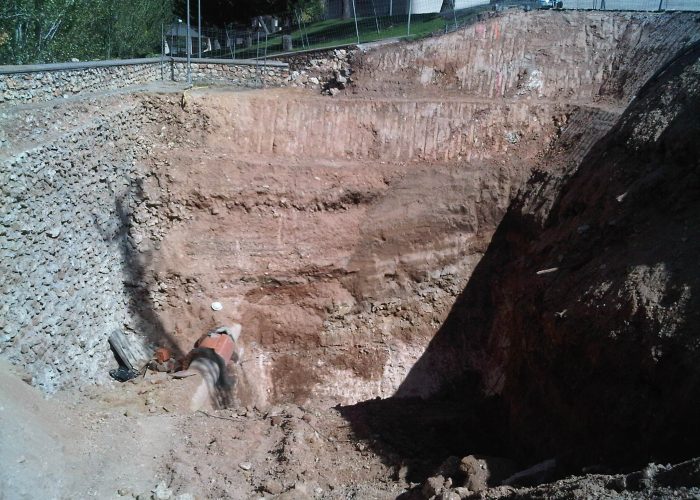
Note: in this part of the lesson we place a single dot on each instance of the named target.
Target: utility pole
(199, 26)
(410, 8)
(162, 49)
(354, 13)
(189, 46)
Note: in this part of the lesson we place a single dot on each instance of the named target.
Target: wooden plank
(129, 354)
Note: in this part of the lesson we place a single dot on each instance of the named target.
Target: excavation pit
(339, 232)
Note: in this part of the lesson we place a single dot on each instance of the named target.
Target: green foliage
(223, 12)
(40, 31)
(310, 10)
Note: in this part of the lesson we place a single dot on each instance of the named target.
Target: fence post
(199, 28)
(188, 46)
(257, 57)
(354, 13)
(376, 20)
(264, 72)
(162, 49)
(410, 8)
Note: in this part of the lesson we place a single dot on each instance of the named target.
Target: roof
(180, 29)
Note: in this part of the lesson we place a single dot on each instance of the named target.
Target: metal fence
(369, 21)
(347, 22)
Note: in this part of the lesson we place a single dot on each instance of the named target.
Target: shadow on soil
(141, 308)
(422, 434)
(584, 384)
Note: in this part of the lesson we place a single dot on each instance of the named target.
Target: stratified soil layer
(510, 209)
(583, 312)
(339, 231)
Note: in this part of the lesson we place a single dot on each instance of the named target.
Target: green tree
(38, 31)
(310, 10)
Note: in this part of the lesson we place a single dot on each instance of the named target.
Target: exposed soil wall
(583, 312)
(342, 279)
(564, 55)
(338, 231)
(385, 129)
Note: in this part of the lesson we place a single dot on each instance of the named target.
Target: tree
(347, 10)
(37, 31)
(310, 10)
(221, 12)
(447, 6)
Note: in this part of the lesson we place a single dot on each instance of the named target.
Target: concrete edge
(38, 68)
(231, 62)
(76, 66)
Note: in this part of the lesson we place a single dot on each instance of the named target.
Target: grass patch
(334, 32)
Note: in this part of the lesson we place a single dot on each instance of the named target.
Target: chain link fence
(349, 22)
(367, 21)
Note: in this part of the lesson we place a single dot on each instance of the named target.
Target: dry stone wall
(50, 81)
(253, 74)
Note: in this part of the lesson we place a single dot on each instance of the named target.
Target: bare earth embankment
(509, 210)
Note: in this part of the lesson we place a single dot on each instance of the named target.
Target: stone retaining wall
(62, 253)
(44, 82)
(249, 74)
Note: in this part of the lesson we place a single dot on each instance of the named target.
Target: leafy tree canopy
(42, 31)
(39, 31)
(221, 12)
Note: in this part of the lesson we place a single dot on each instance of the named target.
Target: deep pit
(353, 239)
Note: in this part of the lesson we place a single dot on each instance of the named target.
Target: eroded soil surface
(346, 235)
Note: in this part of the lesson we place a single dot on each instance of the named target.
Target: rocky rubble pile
(321, 70)
(490, 478)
